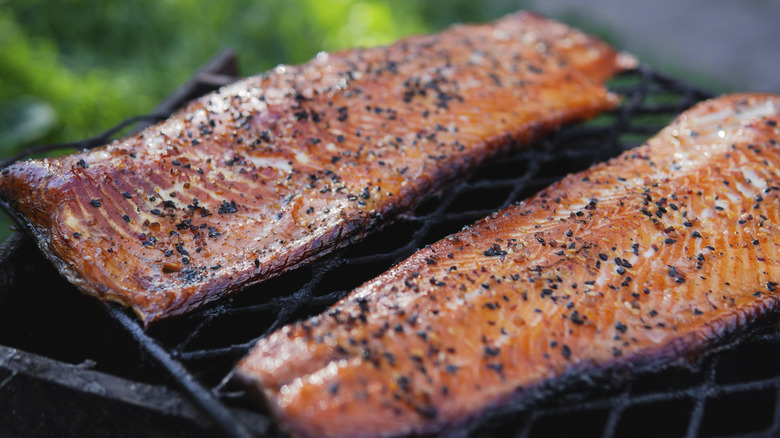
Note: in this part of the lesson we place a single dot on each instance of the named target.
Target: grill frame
(188, 386)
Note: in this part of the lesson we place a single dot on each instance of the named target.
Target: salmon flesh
(278, 169)
(653, 257)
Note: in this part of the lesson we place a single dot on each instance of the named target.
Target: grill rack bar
(181, 359)
(201, 396)
(617, 402)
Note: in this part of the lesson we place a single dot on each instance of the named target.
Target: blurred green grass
(70, 69)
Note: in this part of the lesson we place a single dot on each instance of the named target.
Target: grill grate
(732, 393)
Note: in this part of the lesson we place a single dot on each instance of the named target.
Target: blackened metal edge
(9, 247)
(82, 378)
(201, 396)
(8, 250)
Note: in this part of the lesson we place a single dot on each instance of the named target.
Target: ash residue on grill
(732, 393)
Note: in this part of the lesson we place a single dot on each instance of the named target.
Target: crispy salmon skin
(648, 258)
(281, 168)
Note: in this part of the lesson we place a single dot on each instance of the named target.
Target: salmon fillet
(651, 257)
(275, 170)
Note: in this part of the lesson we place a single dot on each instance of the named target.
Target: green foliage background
(92, 63)
(70, 69)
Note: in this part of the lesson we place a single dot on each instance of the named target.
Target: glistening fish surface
(653, 257)
(278, 169)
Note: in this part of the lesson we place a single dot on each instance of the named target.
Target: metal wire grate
(732, 393)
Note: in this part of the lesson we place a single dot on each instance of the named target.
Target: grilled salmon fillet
(278, 169)
(648, 258)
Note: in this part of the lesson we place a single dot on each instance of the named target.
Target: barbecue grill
(71, 366)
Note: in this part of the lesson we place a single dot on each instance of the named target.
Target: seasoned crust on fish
(652, 257)
(278, 169)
